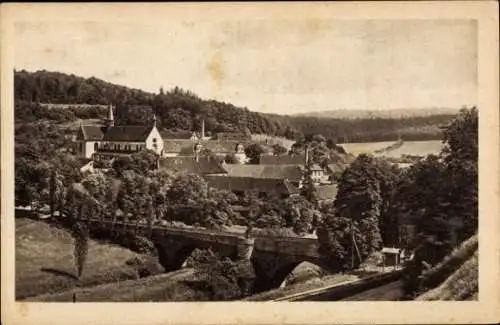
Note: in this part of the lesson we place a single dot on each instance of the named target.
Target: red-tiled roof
(128, 133)
(291, 172)
(282, 160)
(240, 184)
(188, 165)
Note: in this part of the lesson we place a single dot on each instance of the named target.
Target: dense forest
(182, 110)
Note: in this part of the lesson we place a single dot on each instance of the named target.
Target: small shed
(392, 256)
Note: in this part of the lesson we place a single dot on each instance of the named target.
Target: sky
(280, 66)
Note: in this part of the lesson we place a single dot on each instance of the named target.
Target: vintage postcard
(250, 163)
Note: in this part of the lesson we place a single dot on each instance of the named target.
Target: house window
(96, 146)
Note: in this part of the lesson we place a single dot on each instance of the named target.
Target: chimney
(203, 129)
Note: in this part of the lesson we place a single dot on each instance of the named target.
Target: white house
(108, 141)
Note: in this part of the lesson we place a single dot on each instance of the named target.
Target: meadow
(45, 264)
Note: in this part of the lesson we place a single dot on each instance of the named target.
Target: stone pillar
(245, 248)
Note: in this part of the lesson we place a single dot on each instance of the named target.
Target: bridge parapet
(288, 246)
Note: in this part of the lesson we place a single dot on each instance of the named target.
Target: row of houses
(280, 175)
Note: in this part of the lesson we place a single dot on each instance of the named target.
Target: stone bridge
(273, 258)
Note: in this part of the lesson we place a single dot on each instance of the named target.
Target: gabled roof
(128, 133)
(326, 192)
(282, 160)
(291, 172)
(188, 165)
(316, 167)
(240, 184)
(91, 132)
(178, 145)
(335, 168)
(185, 146)
(182, 135)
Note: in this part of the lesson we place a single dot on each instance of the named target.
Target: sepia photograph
(185, 155)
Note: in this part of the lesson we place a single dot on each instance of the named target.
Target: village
(154, 166)
(278, 174)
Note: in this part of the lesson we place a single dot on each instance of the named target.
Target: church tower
(110, 121)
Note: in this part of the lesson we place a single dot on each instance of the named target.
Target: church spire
(111, 119)
(154, 119)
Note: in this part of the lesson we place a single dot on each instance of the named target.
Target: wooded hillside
(182, 110)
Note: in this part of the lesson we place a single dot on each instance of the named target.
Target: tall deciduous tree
(253, 152)
(352, 227)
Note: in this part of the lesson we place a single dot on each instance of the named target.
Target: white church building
(104, 142)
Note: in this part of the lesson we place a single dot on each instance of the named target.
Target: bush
(145, 266)
(135, 243)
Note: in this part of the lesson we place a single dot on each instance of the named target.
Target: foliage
(308, 189)
(278, 149)
(231, 158)
(294, 212)
(194, 203)
(219, 275)
(179, 109)
(351, 228)
(81, 236)
(253, 152)
(140, 162)
(441, 195)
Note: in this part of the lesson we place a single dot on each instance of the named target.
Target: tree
(218, 274)
(140, 162)
(352, 228)
(331, 143)
(81, 237)
(278, 149)
(308, 189)
(230, 158)
(460, 154)
(134, 197)
(253, 152)
(439, 191)
(187, 189)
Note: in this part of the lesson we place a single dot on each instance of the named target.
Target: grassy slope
(456, 277)
(42, 246)
(163, 287)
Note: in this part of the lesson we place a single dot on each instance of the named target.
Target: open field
(44, 261)
(417, 148)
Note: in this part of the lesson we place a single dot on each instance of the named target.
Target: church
(104, 142)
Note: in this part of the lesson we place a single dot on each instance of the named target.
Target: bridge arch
(272, 269)
(173, 251)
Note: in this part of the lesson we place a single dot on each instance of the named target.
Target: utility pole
(352, 243)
